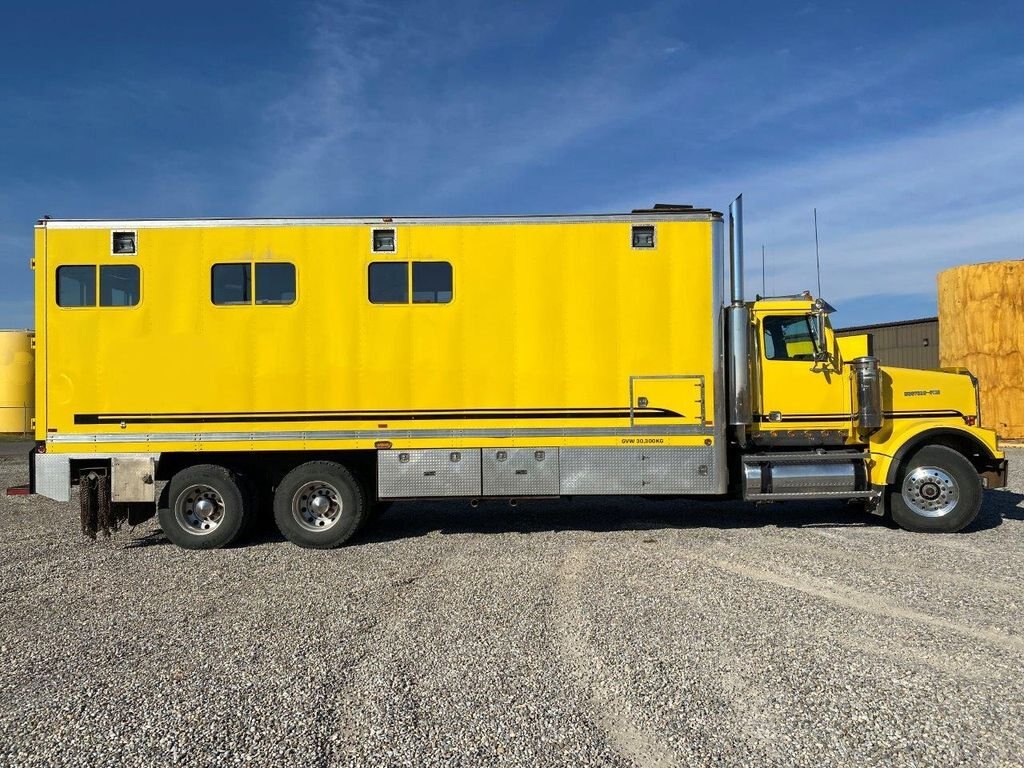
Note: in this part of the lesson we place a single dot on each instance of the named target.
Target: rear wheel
(937, 490)
(319, 505)
(205, 508)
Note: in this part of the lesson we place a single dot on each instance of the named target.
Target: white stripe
(371, 221)
(384, 434)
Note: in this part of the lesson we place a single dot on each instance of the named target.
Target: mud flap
(876, 505)
(97, 511)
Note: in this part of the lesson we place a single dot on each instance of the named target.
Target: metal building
(903, 344)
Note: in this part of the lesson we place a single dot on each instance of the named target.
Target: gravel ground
(611, 632)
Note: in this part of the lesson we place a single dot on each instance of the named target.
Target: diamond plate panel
(595, 471)
(520, 471)
(599, 471)
(429, 472)
(681, 470)
(53, 476)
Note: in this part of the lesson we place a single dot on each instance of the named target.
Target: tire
(937, 490)
(205, 508)
(335, 520)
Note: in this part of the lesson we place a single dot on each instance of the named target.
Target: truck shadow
(414, 519)
(997, 506)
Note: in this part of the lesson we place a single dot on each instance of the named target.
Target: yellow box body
(556, 330)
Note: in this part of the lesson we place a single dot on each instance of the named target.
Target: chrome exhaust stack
(738, 325)
(868, 386)
(736, 249)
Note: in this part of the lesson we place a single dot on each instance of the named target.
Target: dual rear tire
(318, 505)
(205, 506)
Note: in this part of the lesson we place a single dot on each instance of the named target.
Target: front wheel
(937, 491)
(319, 505)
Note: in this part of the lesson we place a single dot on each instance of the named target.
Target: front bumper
(995, 475)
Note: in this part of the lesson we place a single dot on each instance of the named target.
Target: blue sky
(902, 122)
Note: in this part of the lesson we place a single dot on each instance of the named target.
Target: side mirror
(821, 354)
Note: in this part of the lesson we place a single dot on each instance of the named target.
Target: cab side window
(431, 282)
(788, 338)
(234, 284)
(76, 286)
(275, 283)
(389, 282)
(231, 283)
(119, 285)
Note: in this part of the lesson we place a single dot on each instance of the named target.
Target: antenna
(764, 284)
(817, 258)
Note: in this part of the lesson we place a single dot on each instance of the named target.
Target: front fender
(979, 445)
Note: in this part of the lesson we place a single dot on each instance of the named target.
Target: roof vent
(665, 208)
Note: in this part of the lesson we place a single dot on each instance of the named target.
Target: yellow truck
(324, 367)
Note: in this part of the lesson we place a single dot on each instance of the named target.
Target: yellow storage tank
(17, 381)
(981, 327)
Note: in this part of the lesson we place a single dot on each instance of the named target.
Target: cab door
(799, 390)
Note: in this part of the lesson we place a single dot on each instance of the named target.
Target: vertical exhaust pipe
(736, 249)
(738, 324)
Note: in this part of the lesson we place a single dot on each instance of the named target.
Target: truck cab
(910, 441)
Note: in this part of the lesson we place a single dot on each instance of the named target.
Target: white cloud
(378, 109)
(389, 110)
(891, 214)
(355, 114)
(442, 105)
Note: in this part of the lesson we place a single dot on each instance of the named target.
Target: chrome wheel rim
(931, 491)
(199, 509)
(317, 506)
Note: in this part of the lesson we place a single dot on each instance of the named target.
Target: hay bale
(981, 327)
